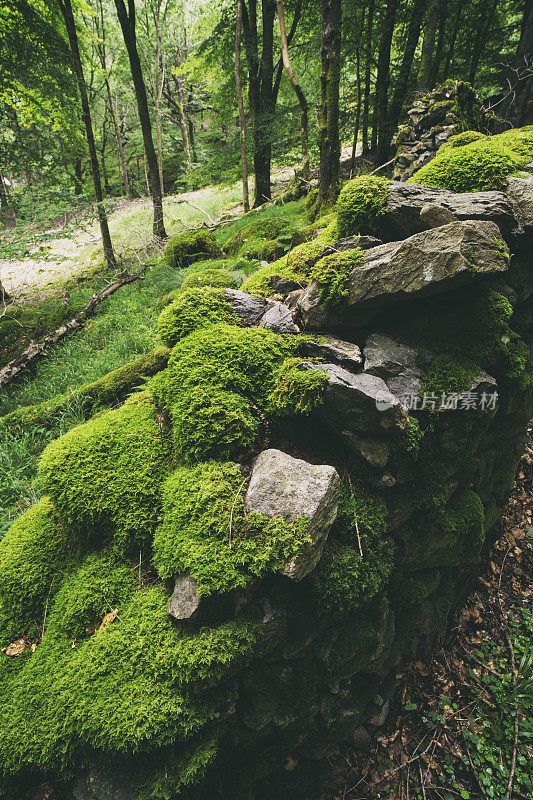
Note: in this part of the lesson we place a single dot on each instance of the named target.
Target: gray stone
(283, 486)
(433, 216)
(249, 308)
(398, 364)
(292, 298)
(334, 349)
(380, 717)
(520, 190)
(402, 215)
(278, 318)
(423, 265)
(184, 603)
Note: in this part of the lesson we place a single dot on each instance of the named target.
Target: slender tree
(302, 100)
(428, 46)
(242, 115)
(328, 125)
(70, 25)
(126, 17)
(368, 65)
(383, 73)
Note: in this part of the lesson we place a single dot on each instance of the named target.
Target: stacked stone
(449, 109)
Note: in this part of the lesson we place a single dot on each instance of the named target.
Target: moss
(89, 396)
(104, 476)
(448, 375)
(296, 265)
(406, 589)
(185, 248)
(413, 436)
(345, 580)
(250, 237)
(296, 390)
(213, 423)
(204, 532)
(479, 166)
(63, 702)
(173, 771)
(195, 308)
(215, 277)
(360, 204)
(466, 137)
(213, 374)
(35, 548)
(332, 273)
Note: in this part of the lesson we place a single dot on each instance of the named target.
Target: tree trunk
(451, 46)
(358, 88)
(400, 91)
(304, 126)
(127, 24)
(78, 176)
(328, 125)
(368, 58)
(158, 85)
(190, 123)
(242, 116)
(183, 124)
(70, 24)
(439, 50)
(487, 11)
(383, 75)
(428, 45)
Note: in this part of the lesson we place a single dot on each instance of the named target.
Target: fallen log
(36, 350)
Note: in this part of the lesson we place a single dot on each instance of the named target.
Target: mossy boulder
(192, 309)
(250, 238)
(360, 203)
(214, 277)
(186, 248)
(481, 165)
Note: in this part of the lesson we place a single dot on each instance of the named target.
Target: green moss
(479, 166)
(297, 391)
(194, 308)
(104, 476)
(204, 532)
(213, 374)
(296, 265)
(173, 771)
(89, 396)
(213, 423)
(345, 580)
(466, 137)
(332, 273)
(215, 277)
(249, 239)
(35, 548)
(406, 589)
(360, 204)
(185, 248)
(448, 375)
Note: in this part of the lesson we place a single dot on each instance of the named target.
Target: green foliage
(183, 249)
(345, 580)
(296, 265)
(193, 309)
(213, 277)
(251, 236)
(34, 549)
(332, 273)
(360, 203)
(482, 165)
(466, 137)
(104, 476)
(296, 390)
(449, 375)
(204, 532)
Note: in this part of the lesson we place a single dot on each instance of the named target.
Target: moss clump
(89, 396)
(345, 580)
(204, 532)
(104, 476)
(32, 552)
(360, 204)
(296, 265)
(448, 375)
(185, 248)
(297, 390)
(194, 308)
(332, 273)
(250, 237)
(482, 165)
(466, 137)
(214, 277)
(213, 374)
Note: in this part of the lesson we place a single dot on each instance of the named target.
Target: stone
(412, 208)
(284, 286)
(291, 301)
(283, 486)
(102, 782)
(333, 349)
(361, 738)
(425, 264)
(278, 318)
(520, 190)
(184, 603)
(379, 718)
(399, 365)
(247, 307)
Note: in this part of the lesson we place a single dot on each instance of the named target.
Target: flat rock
(333, 349)
(402, 215)
(425, 264)
(184, 603)
(278, 318)
(520, 190)
(283, 486)
(248, 308)
(397, 363)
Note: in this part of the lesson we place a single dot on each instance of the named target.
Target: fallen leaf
(16, 648)
(108, 618)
